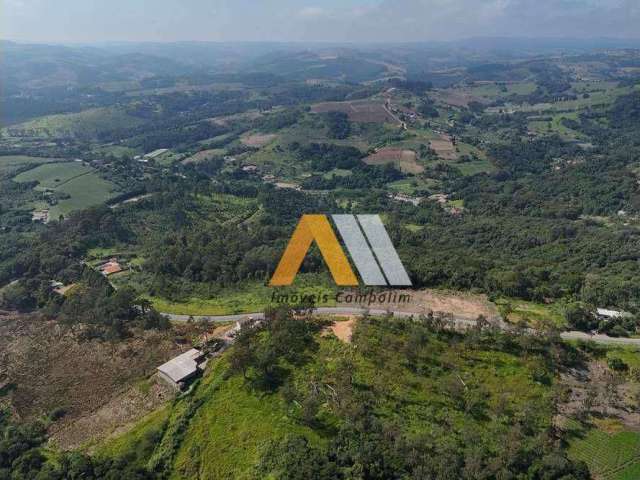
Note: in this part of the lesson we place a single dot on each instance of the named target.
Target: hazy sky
(312, 20)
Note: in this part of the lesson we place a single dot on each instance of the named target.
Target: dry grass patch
(98, 384)
(258, 139)
(226, 120)
(366, 111)
(444, 147)
(459, 304)
(203, 155)
(456, 98)
(404, 160)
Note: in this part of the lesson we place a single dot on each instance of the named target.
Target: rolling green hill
(472, 404)
(85, 125)
(77, 185)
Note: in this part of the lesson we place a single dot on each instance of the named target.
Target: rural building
(401, 197)
(249, 168)
(177, 371)
(111, 267)
(606, 314)
(156, 153)
(40, 216)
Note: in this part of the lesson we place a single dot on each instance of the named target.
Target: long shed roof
(182, 366)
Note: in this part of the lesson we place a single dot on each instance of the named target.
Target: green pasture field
(337, 172)
(611, 454)
(533, 313)
(10, 164)
(555, 126)
(82, 183)
(411, 185)
(86, 124)
(630, 355)
(137, 439)
(494, 90)
(51, 176)
(116, 150)
(85, 191)
(600, 98)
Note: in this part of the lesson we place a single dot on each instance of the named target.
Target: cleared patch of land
(51, 176)
(49, 367)
(203, 155)
(607, 435)
(229, 119)
(113, 418)
(258, 139)
(532, 313)
(250, 297)
(444, 147)
(10, 164)
(482, 92)
(456, 98)
(342, 329)
(403, 159)
(421, 302)
(373, 111)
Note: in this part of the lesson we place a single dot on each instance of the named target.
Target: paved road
(319, 311)
(571, 335)
(599, 338)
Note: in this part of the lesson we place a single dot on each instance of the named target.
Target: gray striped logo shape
(366, 240)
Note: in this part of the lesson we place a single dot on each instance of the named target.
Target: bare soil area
(459, 304)
(444, 148)
(604, 393)
(405, 160)
(46, 367)
(116, 416)
(229, 119)
(366, 111)
(343, 329)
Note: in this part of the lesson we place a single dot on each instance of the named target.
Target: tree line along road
(460, 322)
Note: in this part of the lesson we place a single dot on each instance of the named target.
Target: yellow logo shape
(310, 228)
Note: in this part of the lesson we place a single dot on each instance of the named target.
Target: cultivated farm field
(444, 147)
(358, 111)
(51, 176)
(613, 455)
(404, 159)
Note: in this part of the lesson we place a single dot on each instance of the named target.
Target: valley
(144, 207)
